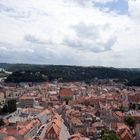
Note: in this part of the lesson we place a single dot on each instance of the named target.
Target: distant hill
(39, 73)
(134, 82)
(16, 67)
(3, 74)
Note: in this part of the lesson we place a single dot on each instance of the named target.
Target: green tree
(110, 136)
(67, 100)
(12, 105)
(5, 109)
(1, 122)
(130, 121)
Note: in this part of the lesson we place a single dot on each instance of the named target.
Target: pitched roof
(78, 136)
(66, 92)
(55, 125)
(24, 97)
(9, 138)
(28, 127)
(44, 112)
(119, 113)
(124, 132)
(126, 135)
(121, 126)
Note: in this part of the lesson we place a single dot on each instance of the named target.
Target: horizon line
(41, 64)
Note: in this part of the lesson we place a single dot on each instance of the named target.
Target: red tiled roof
(55, 125)
(119, 113)
(28, 127)
(124, 132)
(9, 138)
(126, 135)
(78, 137)
(66, 92)
(24, 97)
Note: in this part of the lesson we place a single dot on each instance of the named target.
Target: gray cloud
(38, 41)
(48, 55)
(22, 54)
(68, 32)
(89, 39)
(13, 13)
(79, 2)
(18, 13)
(4, 8)
(86, 31)
(93, 47)
(109, 44)
(34, 39)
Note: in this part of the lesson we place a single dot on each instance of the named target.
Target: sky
(71, 32)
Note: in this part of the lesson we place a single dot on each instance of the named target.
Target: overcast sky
(71, 32)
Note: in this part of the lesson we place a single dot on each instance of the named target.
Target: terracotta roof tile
(28, 127)
(55, 125)
(9, 138)
(126, 135)
(66, 92)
